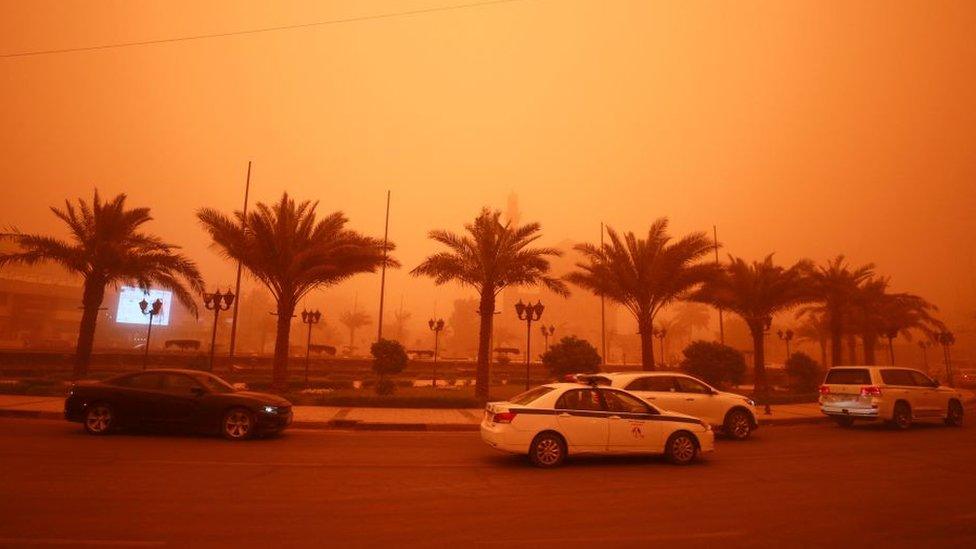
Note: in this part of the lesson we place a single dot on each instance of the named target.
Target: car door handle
(690, 399)
(614, 417)
(564, 414)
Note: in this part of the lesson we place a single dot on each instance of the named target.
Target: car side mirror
(198, 391)
(935, 383)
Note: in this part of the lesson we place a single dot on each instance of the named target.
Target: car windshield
(848, 376)
(532, 394)
(213, 383)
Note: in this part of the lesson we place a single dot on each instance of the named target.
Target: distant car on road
(733, 414)
(554, 421)
(898, 396)
(187, 400)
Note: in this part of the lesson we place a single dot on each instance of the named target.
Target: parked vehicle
(551, 422)
(731, 413)
(898, 396)
(187, 400)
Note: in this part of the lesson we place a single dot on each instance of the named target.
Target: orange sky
(804, 128)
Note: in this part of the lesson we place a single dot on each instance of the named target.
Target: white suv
(895, 395)
(733, 414)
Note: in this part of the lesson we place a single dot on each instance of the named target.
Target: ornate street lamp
(435, 326)
(547, 332)
(310, 318)
(786, 337)
(660, 334)
(216, 302)
(152, 310)
(529, 313)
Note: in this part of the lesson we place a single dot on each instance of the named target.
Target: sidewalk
(389, 419)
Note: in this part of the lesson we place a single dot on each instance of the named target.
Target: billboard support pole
(237, 285)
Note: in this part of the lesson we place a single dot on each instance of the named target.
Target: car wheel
(954, 414)
(738, 425)
(902, 417)
(238, 424)
(99, 419)
(681, 449)
(548, 450)
(844, 422)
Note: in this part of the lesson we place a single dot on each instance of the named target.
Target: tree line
(292, 251)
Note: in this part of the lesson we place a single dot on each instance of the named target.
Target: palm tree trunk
(870, 343)
(645, 327)
(851, 349)
(94, 293)
(761, 386)
(836, 340)
(823, 352)
(891, 350)
(487, 311)
(279, 374)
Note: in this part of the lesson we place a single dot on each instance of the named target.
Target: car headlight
(750, 402)
(270, 409)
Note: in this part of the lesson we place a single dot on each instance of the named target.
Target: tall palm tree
(644, 275)
(353, 320)
(292, 252)
(490, 257)
(879, 313)
(756, 292)
(107, 246)
(814, 329)
(833, 287)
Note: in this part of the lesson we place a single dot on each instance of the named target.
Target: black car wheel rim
(98, 419)
(238, 424)
(740, 425)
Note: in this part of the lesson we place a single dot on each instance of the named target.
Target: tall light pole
(310, 318)
(152, 311)
(529, 313)
(546, 333)
(435, 326)
(786, 337)
(660, 334)
(216, 302)
(946, 339)
(237, 284)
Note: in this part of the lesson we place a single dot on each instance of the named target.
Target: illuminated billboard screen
(130, 313)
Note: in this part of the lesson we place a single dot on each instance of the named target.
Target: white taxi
(553, 421)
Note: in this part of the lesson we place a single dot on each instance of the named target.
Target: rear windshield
(848, 376)
(530, 395)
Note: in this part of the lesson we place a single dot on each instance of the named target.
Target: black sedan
(187, 400)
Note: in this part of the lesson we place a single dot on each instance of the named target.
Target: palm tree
(292, 252)
(833, 287)
(644, 275)
(756, 292)
(107, 246)
(882, 314)
(353, 320)
(814, 329)
(490, 257)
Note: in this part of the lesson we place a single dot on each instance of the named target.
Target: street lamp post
(152, 310)
(216, 302)
(786, 337)
(310, 318)
(529, 313)
(546, 333)
(946, 339)
(435, 326)
(660, 334)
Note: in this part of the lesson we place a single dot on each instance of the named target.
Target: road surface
(813, 485)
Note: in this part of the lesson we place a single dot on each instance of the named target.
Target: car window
(214, 383)
(179, 384)
(848, 376)
(920, 379)
(579, 399)
(622, 402)
(141, 381)
(660, 384)
(531, 395)
(897, 377)
(688, 385)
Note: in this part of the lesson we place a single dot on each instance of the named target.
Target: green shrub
(389, 358)
(713, 362)
(385, 387)
(570, 356)
(805, 373)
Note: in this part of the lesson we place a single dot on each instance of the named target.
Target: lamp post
(924, 345)
(310, 318)
(946, 339)
(546, 333)
(216, 302)
(786, 337)
(529, 313)
(435, 326)
(660, 334)
(764, 390)
(152, 310)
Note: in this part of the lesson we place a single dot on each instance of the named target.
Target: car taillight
(503, 417)
(824, 390)
(871, 391)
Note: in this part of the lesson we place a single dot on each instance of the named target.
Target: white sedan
(553, 421)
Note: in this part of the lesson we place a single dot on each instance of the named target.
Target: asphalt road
(813, 485)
